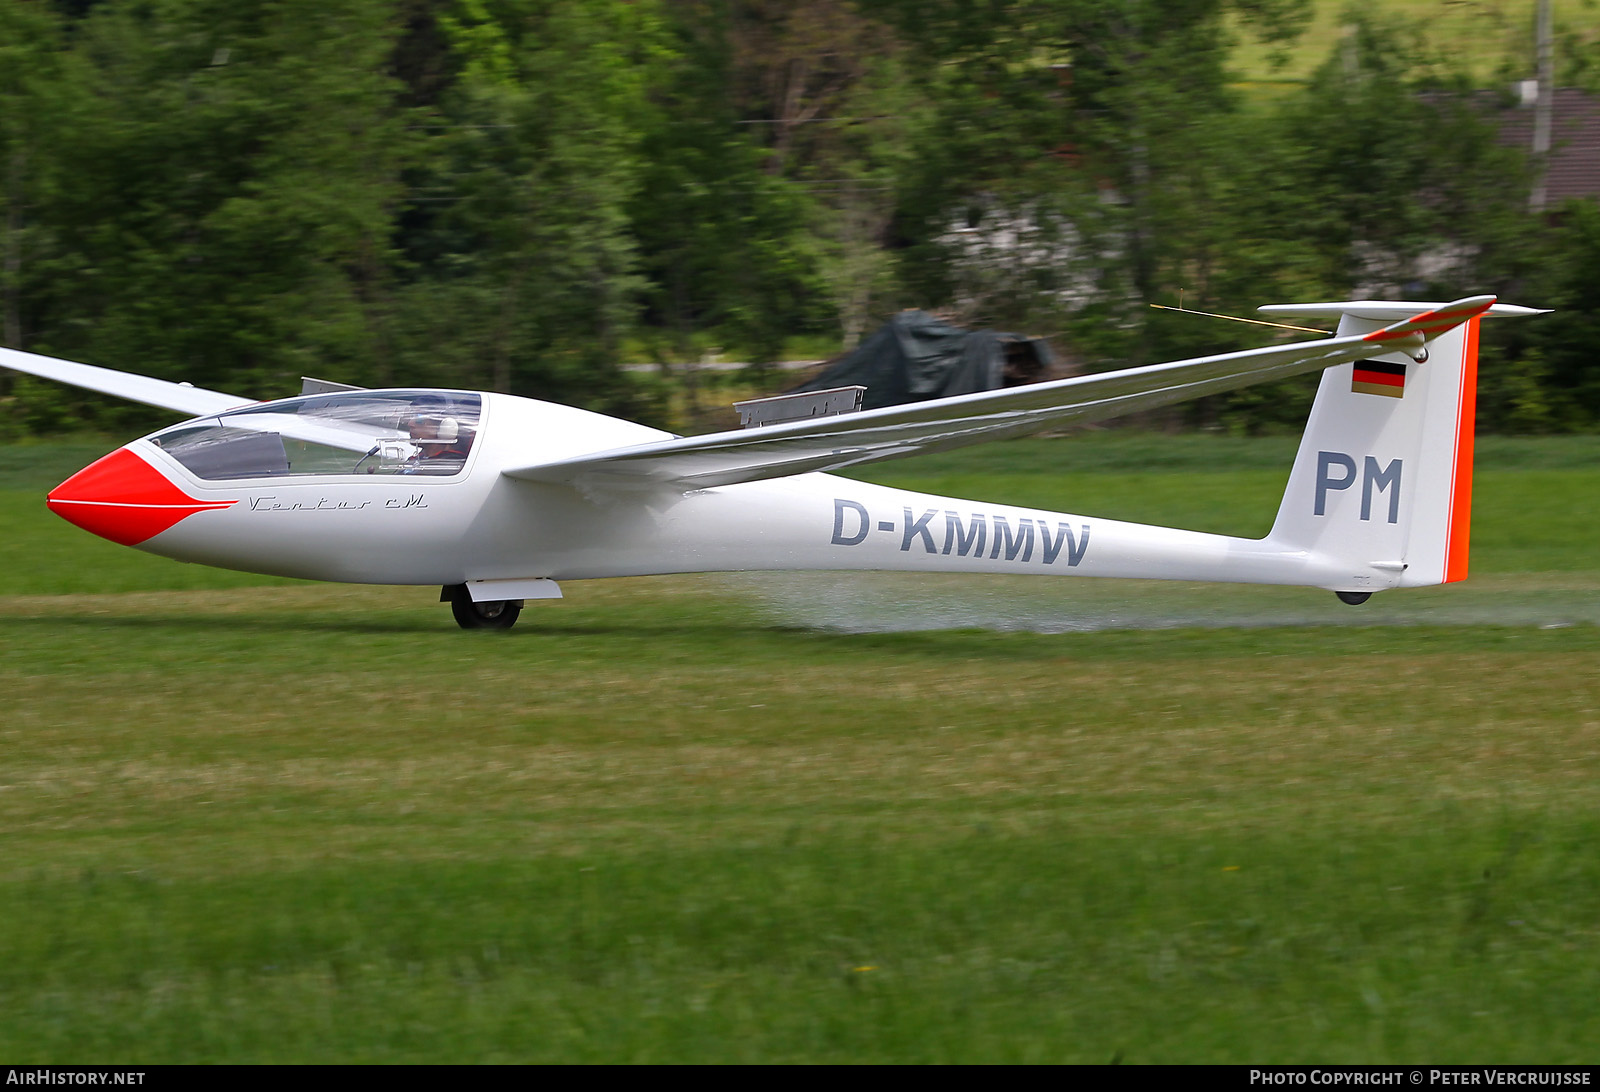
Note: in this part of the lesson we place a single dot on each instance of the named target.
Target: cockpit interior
(356, 432)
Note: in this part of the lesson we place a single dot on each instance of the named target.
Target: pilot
(441, 441)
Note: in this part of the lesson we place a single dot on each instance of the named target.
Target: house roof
(1574, 169)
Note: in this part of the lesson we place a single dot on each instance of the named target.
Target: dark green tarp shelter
(915, 356)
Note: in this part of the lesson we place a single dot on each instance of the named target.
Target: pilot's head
(430, 421)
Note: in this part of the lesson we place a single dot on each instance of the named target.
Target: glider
(497, 498)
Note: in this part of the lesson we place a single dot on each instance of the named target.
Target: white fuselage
(479, 525)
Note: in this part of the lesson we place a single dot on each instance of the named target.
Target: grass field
(1484, 41)
(769, 818)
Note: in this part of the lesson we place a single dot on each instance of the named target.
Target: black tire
(491, 614)
(1354, 598)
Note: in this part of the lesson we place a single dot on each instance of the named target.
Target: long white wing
(187, 400)
(836, 443)
(198, 401)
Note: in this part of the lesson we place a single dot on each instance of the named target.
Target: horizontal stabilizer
(1384, 310)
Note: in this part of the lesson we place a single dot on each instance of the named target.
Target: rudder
(1382, 481)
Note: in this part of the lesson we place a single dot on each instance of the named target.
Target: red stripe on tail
(1460, 532)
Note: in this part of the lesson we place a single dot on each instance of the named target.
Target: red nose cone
(125, 499)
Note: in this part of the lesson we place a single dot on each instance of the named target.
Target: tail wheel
(489, 614)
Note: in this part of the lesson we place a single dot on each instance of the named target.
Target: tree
(227, 191)
(33, 85)
(523, 268)
(1088, 147)
(1546, 377)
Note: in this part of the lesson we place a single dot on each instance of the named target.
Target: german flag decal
(1377, 377)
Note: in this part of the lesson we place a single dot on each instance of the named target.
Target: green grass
(659, 822)
(1481, 41)
(1529, 493)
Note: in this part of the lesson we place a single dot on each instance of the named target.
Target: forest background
(526, 195)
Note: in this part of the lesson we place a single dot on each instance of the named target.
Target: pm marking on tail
(1373, 480)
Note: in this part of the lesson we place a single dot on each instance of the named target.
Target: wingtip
(1478, 304)
(1458, 310)
(1430, 324)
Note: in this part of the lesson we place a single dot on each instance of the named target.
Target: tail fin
(1382, 483)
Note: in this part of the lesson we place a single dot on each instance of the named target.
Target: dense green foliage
(523, 194)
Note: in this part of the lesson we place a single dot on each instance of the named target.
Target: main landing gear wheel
(490, 614)
(1354, 598)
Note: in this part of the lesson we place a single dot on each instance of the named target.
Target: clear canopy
(351, 432)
